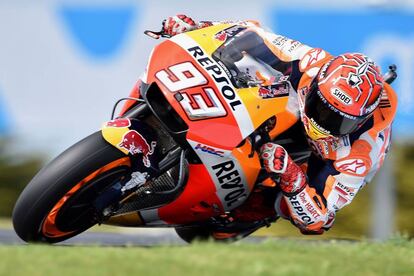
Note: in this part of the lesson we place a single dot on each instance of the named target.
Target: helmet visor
(327, 116)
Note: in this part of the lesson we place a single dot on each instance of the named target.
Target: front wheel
(58, 203)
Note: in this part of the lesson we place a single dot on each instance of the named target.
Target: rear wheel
(59, 202)
(198, 233)
(193, 233)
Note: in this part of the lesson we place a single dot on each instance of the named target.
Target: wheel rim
(67, 217)
(79, 212)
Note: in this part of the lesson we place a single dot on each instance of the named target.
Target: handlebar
(157, 35)
(391, 75)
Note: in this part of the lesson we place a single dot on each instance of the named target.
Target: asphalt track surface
(130, 238)
(146, 237)
(135, 237)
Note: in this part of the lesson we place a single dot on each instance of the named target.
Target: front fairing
(205, 82)
(200, 77)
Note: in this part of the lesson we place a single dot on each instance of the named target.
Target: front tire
(54, 205)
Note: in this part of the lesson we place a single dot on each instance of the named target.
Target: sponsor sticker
(280, 41)
(341, 96)
(345, 190)
(208, 149)
(231, 183)
(232, 187)
(229, 33)
(224, 86)
(135, 143)
(274, 91)
(354, 166)
(312, 57)
(300, 209)
(222, 36)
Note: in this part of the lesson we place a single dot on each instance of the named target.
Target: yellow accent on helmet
(315, 132)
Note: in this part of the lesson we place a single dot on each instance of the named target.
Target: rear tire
(36, 214)
(193, 233)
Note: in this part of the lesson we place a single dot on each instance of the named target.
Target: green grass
(273, 257)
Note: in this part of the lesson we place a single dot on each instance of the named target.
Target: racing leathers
(313, 191)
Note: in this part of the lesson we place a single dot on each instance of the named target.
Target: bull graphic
(134, 143)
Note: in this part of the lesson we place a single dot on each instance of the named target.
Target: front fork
(137, 140)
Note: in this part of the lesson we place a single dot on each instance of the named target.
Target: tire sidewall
(55, 180)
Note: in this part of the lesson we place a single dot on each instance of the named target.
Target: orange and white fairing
(219, 117)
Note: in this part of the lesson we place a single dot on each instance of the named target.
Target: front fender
(132, 137)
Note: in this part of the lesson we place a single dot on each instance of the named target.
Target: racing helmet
(342, 96)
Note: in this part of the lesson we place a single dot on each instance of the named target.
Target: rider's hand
(178, 24)
(276, 160)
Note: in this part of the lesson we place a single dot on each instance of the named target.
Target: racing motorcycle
(183, 152)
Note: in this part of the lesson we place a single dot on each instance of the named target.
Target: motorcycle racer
(346, 114)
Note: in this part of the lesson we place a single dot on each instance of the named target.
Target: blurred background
(64, 63)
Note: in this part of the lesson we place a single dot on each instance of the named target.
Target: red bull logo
(121, 122)
(229, 32)
(134, 143)
(274, 91)
(222, 36)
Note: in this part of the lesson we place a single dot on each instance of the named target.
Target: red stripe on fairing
(198, 201)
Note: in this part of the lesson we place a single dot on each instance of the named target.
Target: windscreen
(248, 60)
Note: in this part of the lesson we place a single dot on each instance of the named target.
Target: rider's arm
(337, 182)
(293, 51)
(311, 198)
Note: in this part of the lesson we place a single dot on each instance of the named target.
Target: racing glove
(276, 160)
(178, 24)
